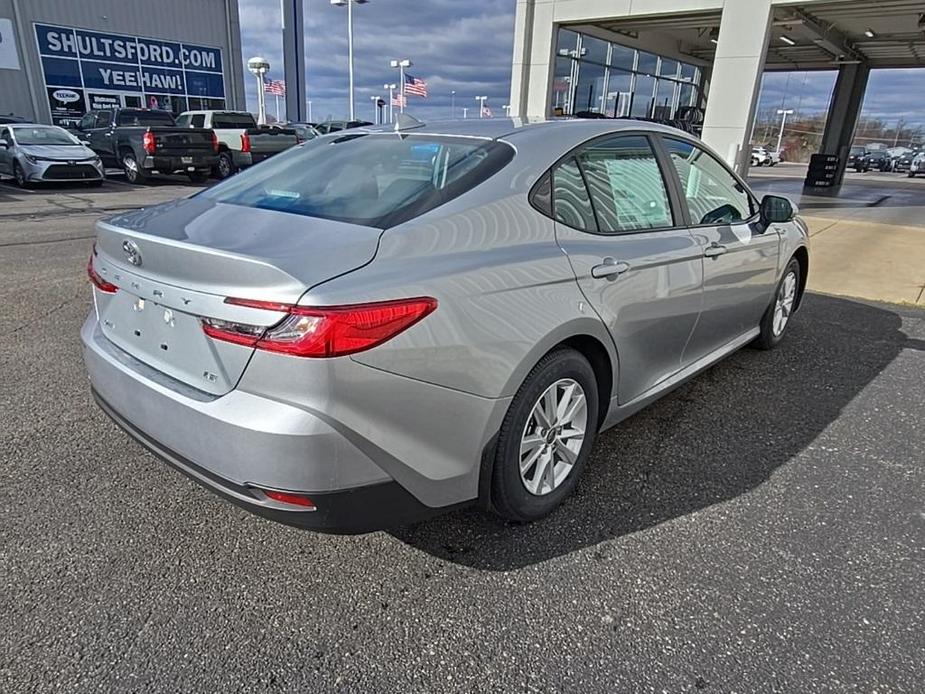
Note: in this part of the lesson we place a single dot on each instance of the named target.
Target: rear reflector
(329, 331)
(149, 142)
(95, 278)
(290, 498)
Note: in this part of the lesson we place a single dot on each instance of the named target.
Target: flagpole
(401, 102)
(277, 108)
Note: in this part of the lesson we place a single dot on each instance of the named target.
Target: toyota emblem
(132, 254)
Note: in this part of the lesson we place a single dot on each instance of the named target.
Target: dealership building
(60, 58)
(674, 59)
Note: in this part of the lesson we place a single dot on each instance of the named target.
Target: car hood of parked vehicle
(227, 249)
(58, 152)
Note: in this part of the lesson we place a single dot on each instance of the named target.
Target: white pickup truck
(240, 141)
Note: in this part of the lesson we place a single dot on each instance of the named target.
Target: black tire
(19, 176)
(510, 497)
(768, 338)
(225, 166)
(198, 176)
(133, 171)
(911, 174)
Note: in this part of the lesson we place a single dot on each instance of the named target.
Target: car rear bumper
(176, 164)
(240, 443)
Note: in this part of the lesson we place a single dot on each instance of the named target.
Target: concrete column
(534, 58)
(736, 79)
(847, 99)
(294, 59)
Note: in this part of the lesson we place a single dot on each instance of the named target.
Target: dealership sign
(9, 56)
(80, 60)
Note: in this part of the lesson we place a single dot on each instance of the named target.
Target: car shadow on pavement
(712, 440)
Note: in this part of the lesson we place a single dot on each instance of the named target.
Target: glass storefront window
(686, 95)
(648, 63)
(664, 99)
(566, 41)
(593, 49)
(688, 72)
(619, 93)
(668, 68)
(561, 87)
(642, 96)
(622, 57)
(589, 95)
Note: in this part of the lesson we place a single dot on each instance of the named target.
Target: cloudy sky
(464, 45)
(467, 46)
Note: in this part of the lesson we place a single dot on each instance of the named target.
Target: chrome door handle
(714, 250)
(610, 268)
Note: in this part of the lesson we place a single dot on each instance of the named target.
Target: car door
(739, 254)
(100, 137)
(639, 267)
(6, 153)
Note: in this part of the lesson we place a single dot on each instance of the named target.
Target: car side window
(571, 203)
(5, 135)
(713, 194)
(198, 121)
(104, 119)
(88, 122)
(626, 185)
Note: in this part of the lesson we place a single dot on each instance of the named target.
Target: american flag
(415, 86)
(486, 112)
(277, 87)
(397, 100)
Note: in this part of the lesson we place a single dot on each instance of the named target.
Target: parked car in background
(241, 143)
(856, 152)
(32, 153)
(304, 131)
(5, 120)
(351, 336)
(917, 165)
(333, 126)
(144, 142)
(762, 156)
(904, 161)
(876, 159)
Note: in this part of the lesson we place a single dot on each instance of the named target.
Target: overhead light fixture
(869, 33)
(789, 41)
(714, 35)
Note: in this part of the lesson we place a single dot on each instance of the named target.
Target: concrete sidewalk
(868, 241)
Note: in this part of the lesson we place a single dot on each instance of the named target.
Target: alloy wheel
(553, 436)
(783, 303)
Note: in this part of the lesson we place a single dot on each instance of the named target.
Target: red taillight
(331, 331)
(214, 141)
(245, 142)
(290, 498)
(95, 278)
(149, 142)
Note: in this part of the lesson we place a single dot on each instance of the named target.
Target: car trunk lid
(176, 263)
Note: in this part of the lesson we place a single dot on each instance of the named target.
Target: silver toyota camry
(32, 153)
(379, 325)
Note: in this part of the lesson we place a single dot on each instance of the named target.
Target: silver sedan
(378, 325)
(32, 153)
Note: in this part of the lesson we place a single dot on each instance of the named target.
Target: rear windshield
(143, 118)
(377, 180)
(233, 120)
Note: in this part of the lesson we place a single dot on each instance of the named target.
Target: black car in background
(877, 159)
(144, 142)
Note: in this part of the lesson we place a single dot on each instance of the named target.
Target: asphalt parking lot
(760, 529)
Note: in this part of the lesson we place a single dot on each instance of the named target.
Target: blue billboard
(149, 68)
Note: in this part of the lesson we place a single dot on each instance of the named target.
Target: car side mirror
(776, 210)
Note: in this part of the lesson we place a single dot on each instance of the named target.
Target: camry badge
(132, 254)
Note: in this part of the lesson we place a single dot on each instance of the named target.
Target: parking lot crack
(54, 309)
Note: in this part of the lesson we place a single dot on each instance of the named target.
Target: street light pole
(401, 64)
(349, 4)
(481, 100)
(465, 113)
(258, 67)
(391, 88)
(780, 136)
(507, 110)
(310, 111)
(376, 119)
(453, 104)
